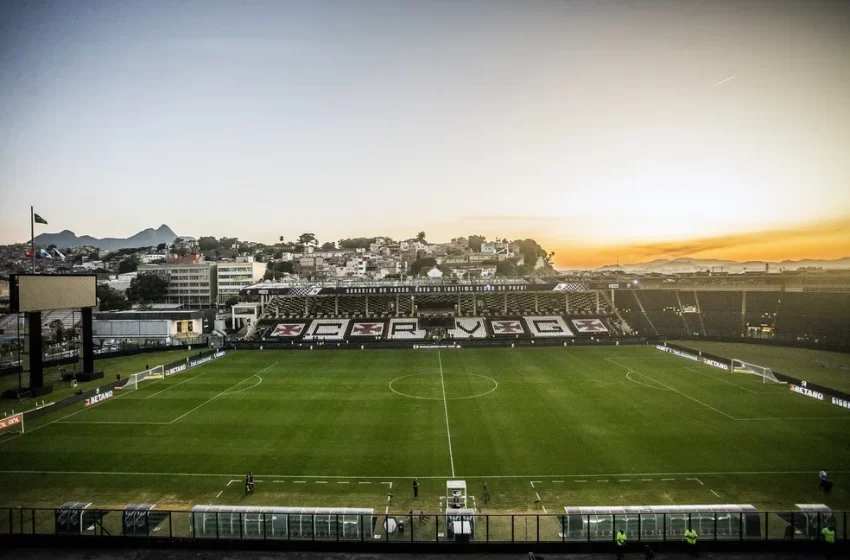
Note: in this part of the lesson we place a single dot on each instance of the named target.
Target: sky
(604, 129)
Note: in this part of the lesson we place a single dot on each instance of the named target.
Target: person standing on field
(621, 544)
(415, 488)
(691, 537)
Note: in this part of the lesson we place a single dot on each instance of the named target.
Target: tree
(128, 265)
(356, 243)
(208, 244)
(147, 288)
(58, 330)
(475, 242)
(231, 301)
(227, 242)
(506, 268)
(421, 266)
(277, 269)
(111, 300)
(307, 239)
(329, 246)
(420, 236)
(161, 246)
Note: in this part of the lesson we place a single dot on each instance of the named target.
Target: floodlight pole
(32, 237)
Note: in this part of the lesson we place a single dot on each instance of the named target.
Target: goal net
(12, 424)
(133, 381)
(766, 374)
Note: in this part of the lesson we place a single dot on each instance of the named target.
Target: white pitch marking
(532, 484)
(342, 482)
(206, 371)
(321, 482)
(729, 79)
(219, 494)
(674, 390)
(446, 406)
(278, 481)
(390, 484)
(223, 392)
(232, 481)
(538, 496)
(625, 480)
(325, 476)
(364, 483)
(247, 388)
(667, 479)
(698, 480)
(715, 493)
(300, 482)
(557, 481)
(544, 509)
(601, 481)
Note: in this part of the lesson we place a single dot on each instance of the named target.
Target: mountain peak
(145, 238)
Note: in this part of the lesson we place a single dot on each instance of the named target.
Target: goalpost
(766, 374)
(133, 381)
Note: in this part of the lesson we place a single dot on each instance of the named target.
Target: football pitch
(544, 427)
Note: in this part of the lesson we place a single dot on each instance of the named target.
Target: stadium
(522, 411)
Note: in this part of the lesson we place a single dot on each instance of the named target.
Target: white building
(192, 285)
(163, 326)
(232, 277)
(120, 282)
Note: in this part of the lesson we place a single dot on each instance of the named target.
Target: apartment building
(233, 276)
(192, 285)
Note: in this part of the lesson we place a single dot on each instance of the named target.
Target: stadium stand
(520, 304)
(547, 326)
(551, 304)
(405, 306)
(405, 329)
(631, 311)
(491, 305)
(354, 306)
(690, 312)
(762, 308)
(381, 306)
(469, 327)
(817, 317)
(662, 309)
(467, 305)
(721, 312)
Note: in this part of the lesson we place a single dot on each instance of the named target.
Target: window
(179, 326)
(189, 326)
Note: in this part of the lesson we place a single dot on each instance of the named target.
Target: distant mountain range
(667, 266)
(146, 238)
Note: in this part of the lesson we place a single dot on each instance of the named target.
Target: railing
(413, 527)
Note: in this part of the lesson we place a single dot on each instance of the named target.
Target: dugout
(245, 522)
(460, 525)
(75, 518)
(727, 521)
(140, 520)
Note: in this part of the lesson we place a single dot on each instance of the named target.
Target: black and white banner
(547, 326)
(715, 363)
(288, 330)
(507, 327)
(327, 329)
(469, 327)
(405, 329)
(370, 330)
(589, 326)
(675, 352)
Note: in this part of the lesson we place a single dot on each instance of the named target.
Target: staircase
(682, 312)
(642, 310)
(699, 313)
(624, 325)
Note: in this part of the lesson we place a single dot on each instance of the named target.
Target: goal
(12, 424)
(133, 381)
(766, 374)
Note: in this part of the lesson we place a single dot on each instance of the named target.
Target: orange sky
(824, 240)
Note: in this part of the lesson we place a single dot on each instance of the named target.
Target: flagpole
(32, 237)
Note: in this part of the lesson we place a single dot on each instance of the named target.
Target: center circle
(429, 387)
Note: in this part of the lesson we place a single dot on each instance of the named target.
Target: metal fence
(414, 527)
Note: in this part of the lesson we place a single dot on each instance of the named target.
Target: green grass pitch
(545, 427)
(830, 369)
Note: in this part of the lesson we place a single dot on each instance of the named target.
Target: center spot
(428, 386)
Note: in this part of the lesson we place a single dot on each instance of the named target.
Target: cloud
(825, 240)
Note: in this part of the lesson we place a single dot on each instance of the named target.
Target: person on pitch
(249, 483)
(415, 488)
(485, 496)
